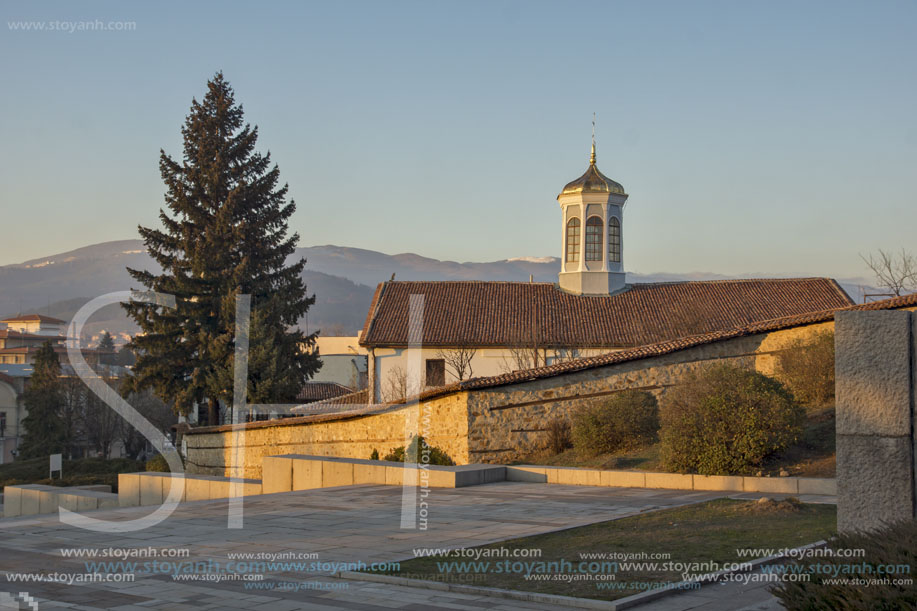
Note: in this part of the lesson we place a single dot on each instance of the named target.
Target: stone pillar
(874, 369)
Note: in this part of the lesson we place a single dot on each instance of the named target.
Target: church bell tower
(592, 210)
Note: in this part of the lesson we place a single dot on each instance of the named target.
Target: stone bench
(152, 487)
(289, 472)
(34, 499)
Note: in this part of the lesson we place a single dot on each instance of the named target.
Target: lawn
(78, 472)
(709, 532)
(812, 456)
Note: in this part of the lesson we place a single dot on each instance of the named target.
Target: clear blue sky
(775, 137)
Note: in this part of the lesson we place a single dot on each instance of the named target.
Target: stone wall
(876, 354)
(507, 423)
(489, 425)
(443, 423)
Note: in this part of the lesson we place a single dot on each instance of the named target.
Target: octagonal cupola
(592, 212)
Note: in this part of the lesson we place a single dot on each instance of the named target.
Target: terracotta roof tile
(518, 313)
(319, 391)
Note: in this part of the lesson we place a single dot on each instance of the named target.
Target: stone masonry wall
(443, 423)
(510, 422)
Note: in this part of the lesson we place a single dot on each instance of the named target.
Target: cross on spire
(592, 156)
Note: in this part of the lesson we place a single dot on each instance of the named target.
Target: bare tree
(458, 361)
(100, 422)
(395, 388)
(896, 272)
(523, 357)
(153, 409)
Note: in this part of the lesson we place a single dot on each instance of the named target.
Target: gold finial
(592, 156)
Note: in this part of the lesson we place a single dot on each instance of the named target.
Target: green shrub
(893, 546)
(427, 454)
(374, 455)
(559, 435)
(625, 421)
(806, 367)
(158, 463)
(726, 420)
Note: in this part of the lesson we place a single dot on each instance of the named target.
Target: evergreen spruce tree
(106, 349)
(226, 235)
(45, 430)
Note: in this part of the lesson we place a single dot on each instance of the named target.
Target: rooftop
(507, 314)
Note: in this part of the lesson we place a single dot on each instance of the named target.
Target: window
(436, 372)
(573, 240)
(594, 239)
(614, 240)
(2, 424)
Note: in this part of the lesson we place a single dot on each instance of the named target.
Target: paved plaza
(358, 524)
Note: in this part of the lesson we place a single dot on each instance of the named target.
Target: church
(473, 329)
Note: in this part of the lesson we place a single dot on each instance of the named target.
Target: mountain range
(342, 279)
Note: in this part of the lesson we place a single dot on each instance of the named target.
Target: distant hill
(342, 278)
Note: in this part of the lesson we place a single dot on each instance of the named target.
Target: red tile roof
(319, 391)
(35, 318)
(513, 313)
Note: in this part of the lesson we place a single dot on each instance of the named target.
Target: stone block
(773, 485)
(334, 473)
(31, 499)
(276, 474)
(69, 501)
(718, 482)
(109, 501)
(47, 500)
(875, 481)
(94, 487)
(308, 473)
(474, 475)
(560, 475)
(197, 488)
(12, 501)
(585, 477)
(151, 488)
(525, 473)
(817, 485)
(442, 478)
(223, 487)
(369, 473)
(128, 489)
(623, 479)
(671, 481)
(168, 480)
(873, 373)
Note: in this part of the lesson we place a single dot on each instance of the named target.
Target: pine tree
(106, 349)
(226, 235)
(45, 431)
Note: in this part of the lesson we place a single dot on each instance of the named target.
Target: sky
(753, 137)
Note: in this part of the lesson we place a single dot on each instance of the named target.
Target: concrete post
(874, 370)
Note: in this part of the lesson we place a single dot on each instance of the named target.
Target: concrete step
(153, 487)
(34, 499)
(289, 472)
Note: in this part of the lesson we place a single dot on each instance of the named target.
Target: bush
(428, 455)
(892, 546)
(158, 463)
(807, 369)
(374, 455)
(559, 435)
(627, 420)
(726, 420)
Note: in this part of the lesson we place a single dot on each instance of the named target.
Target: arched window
(614, 240)
(594, 239)
(572, 240)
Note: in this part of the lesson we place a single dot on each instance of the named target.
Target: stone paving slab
(359, 524)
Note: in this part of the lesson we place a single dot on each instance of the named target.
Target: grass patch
(78, 472)
(812, 456)
(705, 532)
